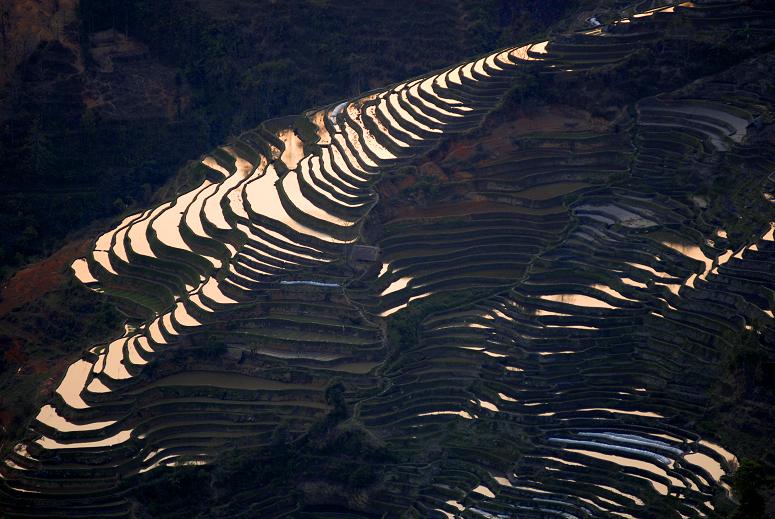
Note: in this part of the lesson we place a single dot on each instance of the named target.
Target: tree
(28, 238)
(37, 151)
(747, 481)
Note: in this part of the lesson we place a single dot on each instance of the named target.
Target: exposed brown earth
(25, 23)
(37, 279)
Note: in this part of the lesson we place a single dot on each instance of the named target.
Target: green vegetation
(334, 454)
(732, 205)
(63, 165)
(749, 366)
(38, 338)
(560, 286)
(747, 482)
(403, 326)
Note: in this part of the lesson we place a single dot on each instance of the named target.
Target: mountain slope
(468, 294)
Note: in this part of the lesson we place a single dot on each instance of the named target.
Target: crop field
(536, 322)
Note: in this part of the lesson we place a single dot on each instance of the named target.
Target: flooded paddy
(549, 191)
(294, 148)
(278, 289)
(48, 415)
(578, 300)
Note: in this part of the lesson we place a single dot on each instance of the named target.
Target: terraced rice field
(568, 389)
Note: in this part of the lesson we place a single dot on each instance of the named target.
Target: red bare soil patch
(499, 140)
(461, 176)
(12, 351)
(460, 151)
(407, 182)
(431, 169)
(55, 367)
(37, 279)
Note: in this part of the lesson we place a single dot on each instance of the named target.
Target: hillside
(536, 283)
(105, 101)
(103, 104)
